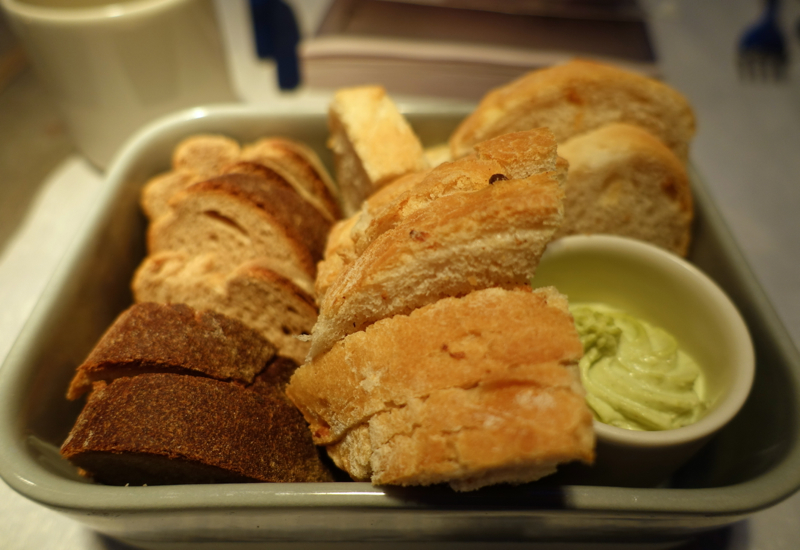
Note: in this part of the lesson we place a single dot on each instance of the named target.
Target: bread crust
(252, 293)
(576, 97)
(475, 223)
(372, 143)
(441, 394)
(624, 181)
(151, 337)
(164, 428)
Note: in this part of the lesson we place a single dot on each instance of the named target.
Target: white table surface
(747, 148)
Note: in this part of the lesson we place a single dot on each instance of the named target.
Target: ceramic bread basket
(753, 463)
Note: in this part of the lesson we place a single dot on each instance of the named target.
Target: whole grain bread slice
(252, 293)
(240, 217)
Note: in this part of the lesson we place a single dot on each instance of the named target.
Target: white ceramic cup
(113, 66)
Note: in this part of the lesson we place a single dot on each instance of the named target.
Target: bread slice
(475, 223)
(252, 293)
(150, 337)
(340, 249)
(468, 391)
(194, 159)
(165, 428)
(624, 181)
(372, 143)
(240, 217)
(301, 167)
(575, 97)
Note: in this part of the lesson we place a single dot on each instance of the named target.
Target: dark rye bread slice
(164, 428)
(253, 293)
(242, 216)
(151, 337)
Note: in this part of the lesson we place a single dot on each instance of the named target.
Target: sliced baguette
(481, 222)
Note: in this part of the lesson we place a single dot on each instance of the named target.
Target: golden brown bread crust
(161, 428)
(624, 181)
(444, 393)
(474, 223)
(372, 143)
(574, 98)
(151, 337)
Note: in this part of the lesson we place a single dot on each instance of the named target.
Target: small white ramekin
(666, 291)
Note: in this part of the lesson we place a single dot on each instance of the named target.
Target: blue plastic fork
(762, 48)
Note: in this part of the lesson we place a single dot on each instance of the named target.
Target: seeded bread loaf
(151, 337)
(240, 217)
(478, 222)
(469, 391)
(253, 293)
(372, 143)
(624, 181)
(576, 97)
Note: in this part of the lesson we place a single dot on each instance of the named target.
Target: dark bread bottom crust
(162, 428)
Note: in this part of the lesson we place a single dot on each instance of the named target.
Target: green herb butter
(635, 375)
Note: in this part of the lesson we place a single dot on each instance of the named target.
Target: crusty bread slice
(624, 181)
(150, 337)
(164, 428)
(253, 293)
(575, 97)
(470, 391)
(372, 143)
(242, 216)
(194, 159)
(301, 167)
(477, 223)
(340, 249)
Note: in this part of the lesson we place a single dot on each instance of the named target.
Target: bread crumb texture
(470, 391)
